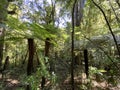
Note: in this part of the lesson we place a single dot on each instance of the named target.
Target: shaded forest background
(59, 44)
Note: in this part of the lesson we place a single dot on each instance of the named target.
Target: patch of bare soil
(10, 83)
(93, 85)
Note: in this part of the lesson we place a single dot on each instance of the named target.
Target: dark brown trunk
(43, 82)
(6, 64)
(72, 47)
(31, 55)
(1, 54)
(78, 12)
(77, 59)
(47, 46)
(28, 87)
(86, 62)
(11, 0)
(30, 59)
(76, 15)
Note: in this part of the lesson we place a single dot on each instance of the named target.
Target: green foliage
(22, 30)
(3, 10)
(35, 79)
(94, 70)
(39, 31)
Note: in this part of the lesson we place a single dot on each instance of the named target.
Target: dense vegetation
(60, 45)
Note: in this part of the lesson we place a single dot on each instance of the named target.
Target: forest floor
(12, 81)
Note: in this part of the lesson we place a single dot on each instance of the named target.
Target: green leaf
(102, 70)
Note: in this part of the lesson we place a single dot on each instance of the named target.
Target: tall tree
(77, 12)
(72, 47)
(49, 19)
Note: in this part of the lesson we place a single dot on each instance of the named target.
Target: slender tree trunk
(31, 55)
(47, 46)
(72, 47)
(28, 87)
(79, 12)
(6, 64)
(76, 18)
(47, 41)
(30, 59)
(86, 62)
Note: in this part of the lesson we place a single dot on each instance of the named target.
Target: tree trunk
(78, 12)
(86, 62)
(47, 46)
(31, 55)
(76, 18)
(47, 41)
(72, 46)
(6, 64)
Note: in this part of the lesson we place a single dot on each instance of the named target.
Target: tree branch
(110, 29)
(118, 20)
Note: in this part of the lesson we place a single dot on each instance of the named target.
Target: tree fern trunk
(31, 55)
(47, 46)
(86, 62)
